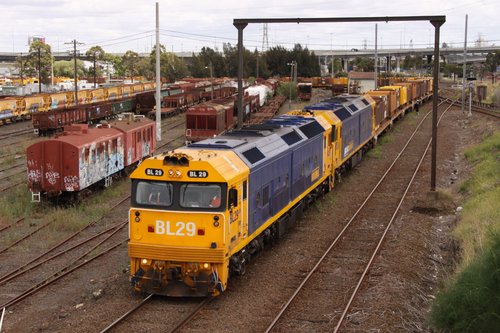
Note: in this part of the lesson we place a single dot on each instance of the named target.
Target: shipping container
(400, 100)
(390, 95)
(411, 88)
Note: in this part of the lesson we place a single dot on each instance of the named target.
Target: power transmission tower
(265, 40)
(74, 42)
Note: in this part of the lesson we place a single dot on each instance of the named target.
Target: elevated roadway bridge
(448, 54)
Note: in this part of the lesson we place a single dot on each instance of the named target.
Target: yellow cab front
(183, 207)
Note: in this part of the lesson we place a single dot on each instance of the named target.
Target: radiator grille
(172, 253)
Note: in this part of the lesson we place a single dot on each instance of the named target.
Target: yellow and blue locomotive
(181, 243)
(199, 213)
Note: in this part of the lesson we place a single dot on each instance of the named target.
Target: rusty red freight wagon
(82, 157)
(54, 120)
(209, 119)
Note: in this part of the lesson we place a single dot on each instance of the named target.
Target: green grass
(7, 150)
(412, 118)
(17, 203)
(62, 220)
(481, 215)
(486, 159)
(470, 302)
(481, 212)
(376, 152)
(8, 161)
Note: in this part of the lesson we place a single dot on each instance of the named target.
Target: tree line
(273, 62)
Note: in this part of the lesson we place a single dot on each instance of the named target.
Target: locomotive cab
(185, 214)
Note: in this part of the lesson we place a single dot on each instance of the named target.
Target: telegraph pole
(376, 58)
(39, 71)
(331, 51)
(22, 78)
(94, 73)
(74, 42)
(211, 81)
(158, 74)
(464, 66)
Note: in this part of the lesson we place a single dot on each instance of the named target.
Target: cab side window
(233, 197)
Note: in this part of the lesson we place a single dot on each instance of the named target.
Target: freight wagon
(83, 158)
(51, 121)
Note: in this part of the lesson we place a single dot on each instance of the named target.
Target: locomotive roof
(256, 144)
(344, 106)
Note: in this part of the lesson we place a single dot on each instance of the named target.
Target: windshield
(179, 196)
(154, 193)
(200, 195)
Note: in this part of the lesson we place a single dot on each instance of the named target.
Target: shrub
(284, 89)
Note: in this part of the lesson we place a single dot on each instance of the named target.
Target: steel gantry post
(241, 112)
(435, 86)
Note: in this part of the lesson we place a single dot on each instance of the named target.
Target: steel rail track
(24, 267)
(375, 252)
(8, 155)
(67, 269)
(28, 235)
(192, 314)
(126, 314)
(476, 108)
(12, 224)
(20, 271)
(12, 167)
(15, 133)
(11, 186)
(346, 227)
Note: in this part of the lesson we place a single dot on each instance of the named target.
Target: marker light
(178, 173)
(144, 261)
(206, 265)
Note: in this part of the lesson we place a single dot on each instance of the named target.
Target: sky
(188, 25)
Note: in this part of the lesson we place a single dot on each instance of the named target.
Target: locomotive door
(238, 223)
(244, 210)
